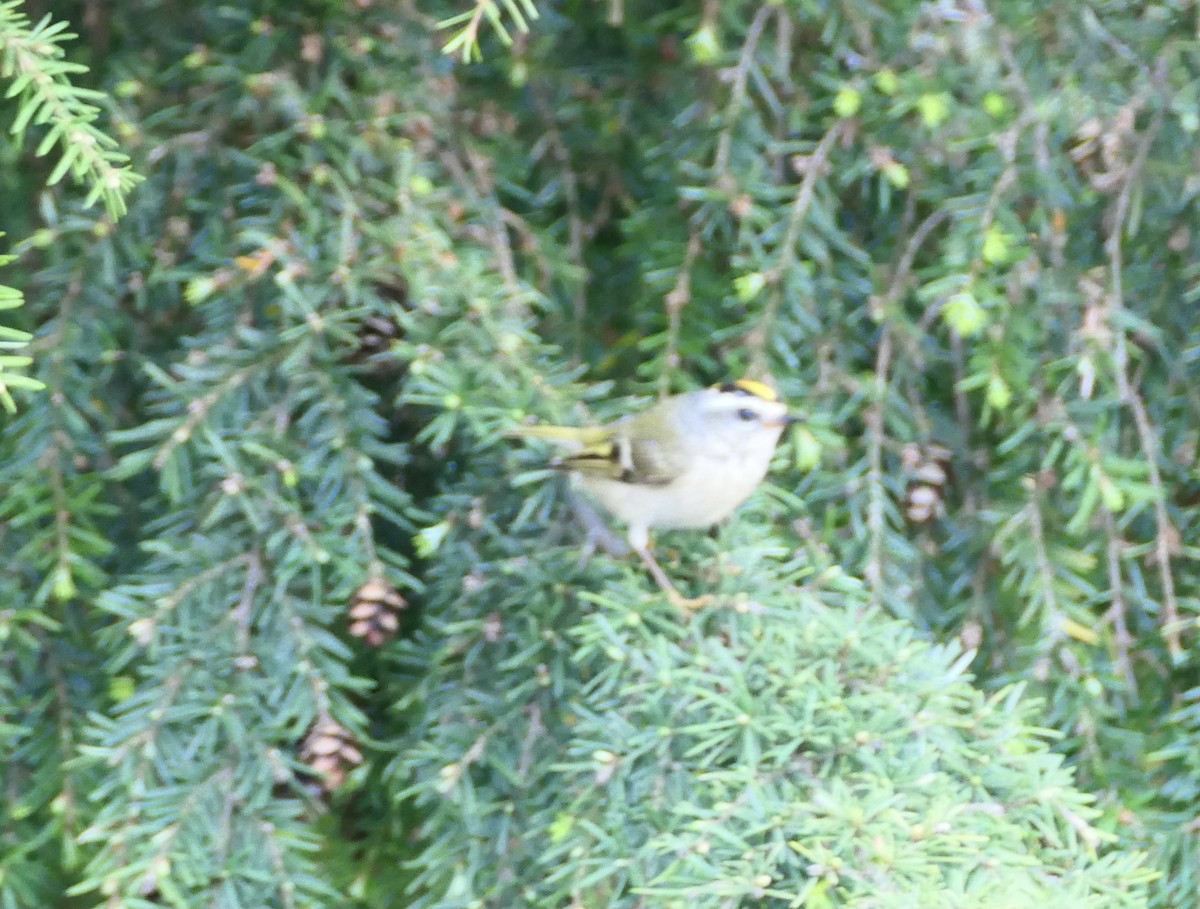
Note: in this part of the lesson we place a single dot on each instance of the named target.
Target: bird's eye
(747, 414)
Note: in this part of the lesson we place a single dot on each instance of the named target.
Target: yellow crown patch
(752, 387)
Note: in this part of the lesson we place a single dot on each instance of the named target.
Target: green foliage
(951, 658)
(859, 778)
(35, 71)
(13, 339)
(466, 40)
(803, 750)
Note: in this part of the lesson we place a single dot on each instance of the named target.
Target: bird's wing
(574, 438)
(615, 452)
(626, 457)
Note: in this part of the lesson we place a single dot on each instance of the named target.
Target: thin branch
(962, 408)
(66, 734)
(1008, 146)
(199, 409)
(1130, 397)
(1052, 630)
(679, 297)
(875, 521)
(33, 57)
(1091, 837)
(776, 277)
(905, 263)
(479, 186)
(875, 428)
(243, 613)
(1116, 45)
(529, 242)
(533, 731)
(575, 223)
(484, 185)
(1031, 110)
(1116, 612)
(737, 94)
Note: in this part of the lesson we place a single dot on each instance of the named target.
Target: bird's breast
(704, 494)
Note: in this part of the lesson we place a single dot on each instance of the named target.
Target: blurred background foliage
(286, 622)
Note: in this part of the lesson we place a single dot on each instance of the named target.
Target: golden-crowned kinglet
(686, 462)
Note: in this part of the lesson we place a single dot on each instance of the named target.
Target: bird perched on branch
(687, 462)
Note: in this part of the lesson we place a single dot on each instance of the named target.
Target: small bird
(687, 462)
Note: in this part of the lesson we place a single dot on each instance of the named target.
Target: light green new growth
(32, 62)
(465, 41)
(13, 339)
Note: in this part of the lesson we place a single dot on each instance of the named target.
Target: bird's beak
(787, 420)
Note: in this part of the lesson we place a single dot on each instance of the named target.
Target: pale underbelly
(696, 499)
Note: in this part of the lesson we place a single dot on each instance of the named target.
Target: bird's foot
(688, 605)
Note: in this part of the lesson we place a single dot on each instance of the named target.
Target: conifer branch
(675, 302)
(33, 61)
(1052, 615)
(876, 523)
(1130, 396)
(777, 276)
(877, 494)
(340, 289)
(466, 40)
(576, 228)
(12, 339)
(1122, 638)
(737, 93)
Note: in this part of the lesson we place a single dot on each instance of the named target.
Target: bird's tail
(573, 438)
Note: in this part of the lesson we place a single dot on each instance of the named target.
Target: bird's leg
(599, 535)
(674, 597)
(641, 545)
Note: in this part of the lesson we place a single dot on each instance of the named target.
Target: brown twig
(905, 263)
(679, 297)
(737, 92)
(1116, 612)
(529, 243)
(875, 428)
(484, 187)
(1032, 110)
(243, 612)
(1129, 396)
(1052, 629)
(776, 277)
(66, 734)
(471, 29)
(575, 223)
(535, 729)
(199, 408)
(875, 522)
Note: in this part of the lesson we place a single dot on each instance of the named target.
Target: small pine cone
(923, 503)
(373, 614)
(375, 335)
(379, 330)
(928, 470)
(330, 751)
